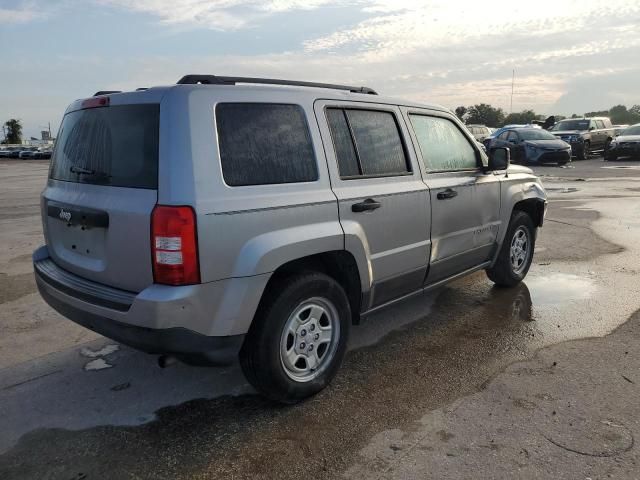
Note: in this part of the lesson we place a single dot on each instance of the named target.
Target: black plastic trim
(82, 289)
(194, 79)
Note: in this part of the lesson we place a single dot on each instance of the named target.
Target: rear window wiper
(82, 171)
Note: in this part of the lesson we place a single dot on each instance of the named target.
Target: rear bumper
(193, 347)
(204, 322)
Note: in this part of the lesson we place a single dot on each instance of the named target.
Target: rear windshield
(115, 146)
(571, 125)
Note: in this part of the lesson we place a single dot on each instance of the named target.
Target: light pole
(513, 79)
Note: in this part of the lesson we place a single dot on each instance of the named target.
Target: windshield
(116, 146)
(635, 130)
(572, 125)
(535, 135)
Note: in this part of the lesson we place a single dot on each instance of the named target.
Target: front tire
(298, 339)
(516, 253)
(583, 154)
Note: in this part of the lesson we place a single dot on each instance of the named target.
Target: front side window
(599, 123)
(263, 143)
(442, 145)
(367, 143)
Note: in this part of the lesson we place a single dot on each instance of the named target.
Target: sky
(568, 56)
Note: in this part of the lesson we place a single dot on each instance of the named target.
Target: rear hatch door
(101, 191)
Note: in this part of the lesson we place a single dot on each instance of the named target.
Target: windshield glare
(572, 125)
(536, 135)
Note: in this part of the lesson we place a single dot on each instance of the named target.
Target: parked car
(497, 131)
(480, 132)
(618, 129)
(42, 154)
(27, 153)
(585, 135)
(263, 231)
(627, 144)
(534, 145)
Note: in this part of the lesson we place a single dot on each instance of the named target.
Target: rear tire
(298, 338)
(516, 253)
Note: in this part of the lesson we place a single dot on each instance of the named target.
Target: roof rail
(106, 92)
(217, 80)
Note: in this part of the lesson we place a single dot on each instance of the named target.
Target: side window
(599, 124)
(592, 124)
(442, 144)
(504, 135)
(348, 163)
(367, 143)
(263, 143)
(512, 137)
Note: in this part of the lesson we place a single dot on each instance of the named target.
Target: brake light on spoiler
(174, 245)
(94, 102)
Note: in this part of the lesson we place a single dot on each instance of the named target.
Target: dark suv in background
(585, 135)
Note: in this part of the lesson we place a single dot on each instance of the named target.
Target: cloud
(569, 56)
(25, 13)
(214, 14)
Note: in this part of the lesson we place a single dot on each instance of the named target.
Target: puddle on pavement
(559, 288)
(623, 167)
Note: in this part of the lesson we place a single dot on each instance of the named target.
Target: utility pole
(49, 130)
(513, 79)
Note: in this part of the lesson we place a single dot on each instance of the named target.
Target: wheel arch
(534, 207)
(340, 265)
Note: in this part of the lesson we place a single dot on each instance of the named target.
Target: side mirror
(592, 128)
(499, 158)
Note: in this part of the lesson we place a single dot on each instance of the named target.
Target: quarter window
(367, 143)
(262, 143)
(442, 145)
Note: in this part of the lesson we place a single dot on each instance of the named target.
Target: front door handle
(448, 193)
(368, 205)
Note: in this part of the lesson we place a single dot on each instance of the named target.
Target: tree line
(485, 114)
(12, 132)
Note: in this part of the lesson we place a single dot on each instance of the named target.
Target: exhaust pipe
(165, 361)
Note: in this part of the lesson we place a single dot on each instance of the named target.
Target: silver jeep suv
(225, 217)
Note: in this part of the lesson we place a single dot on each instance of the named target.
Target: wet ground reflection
(559, 288)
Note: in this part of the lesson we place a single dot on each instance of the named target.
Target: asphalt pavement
(470, 381)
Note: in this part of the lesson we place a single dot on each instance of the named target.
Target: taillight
(95, 102)
(174, 245)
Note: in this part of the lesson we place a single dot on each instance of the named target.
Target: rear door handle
(368, 205)
(448, 193)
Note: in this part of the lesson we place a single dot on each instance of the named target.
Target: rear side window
(262, 143)
(442, 145)
(115, 146)
(367, 143)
